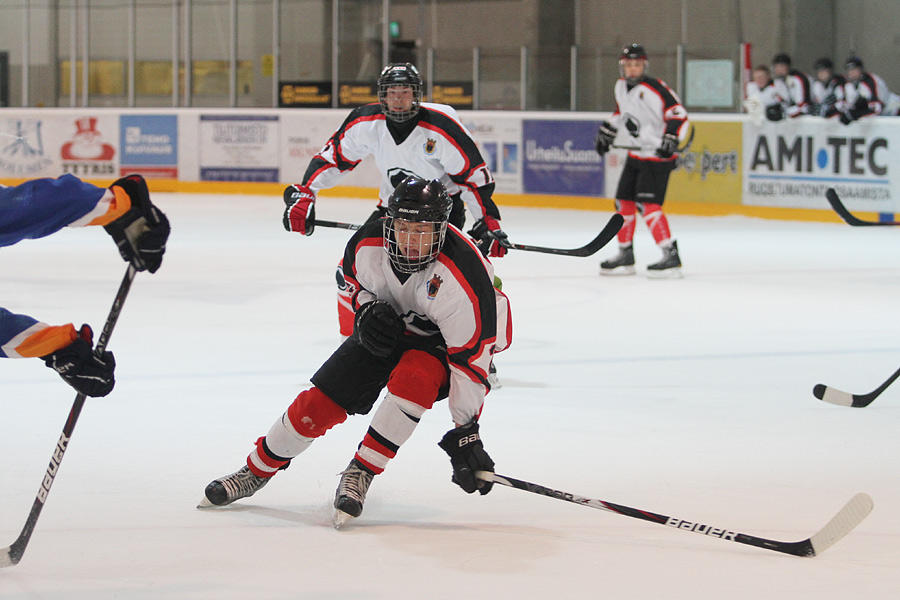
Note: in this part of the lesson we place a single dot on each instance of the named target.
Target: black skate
(226, 490)
(351, 493)
(621, 264)
(669, 266)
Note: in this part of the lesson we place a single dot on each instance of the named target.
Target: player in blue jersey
(40, 207)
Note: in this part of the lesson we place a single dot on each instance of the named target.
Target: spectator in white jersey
(760, 91)
(428, 320)
(654, 121)
(794, 89)
(827, 90)
(866, 93)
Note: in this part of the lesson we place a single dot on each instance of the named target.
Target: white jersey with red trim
(646, 111)
(453, 297)
(434, 145)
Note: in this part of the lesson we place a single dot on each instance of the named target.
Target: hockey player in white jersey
(827, 90)
(866, 93)
(427, 322)
(793, 87)
(654, 120)
(405, 136)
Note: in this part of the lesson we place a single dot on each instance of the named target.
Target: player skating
(427, 322)
(652, 115)
(405, 136)
(40, 207)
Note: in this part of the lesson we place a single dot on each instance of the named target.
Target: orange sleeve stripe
(118, 206)
(47, 340)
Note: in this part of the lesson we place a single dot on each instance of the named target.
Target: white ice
(690, 398)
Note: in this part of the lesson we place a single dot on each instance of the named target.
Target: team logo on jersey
(434, 286)
(429, 146)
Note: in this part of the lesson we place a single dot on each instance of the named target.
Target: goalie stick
(841, 210)
(12, 554)
(604, 237)
(833, 396)
(840, 525)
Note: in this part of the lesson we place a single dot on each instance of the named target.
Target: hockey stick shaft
(12, 554)
(608, 232)
(680, 150)
(835, 396)
(847, 518)
(841, 210)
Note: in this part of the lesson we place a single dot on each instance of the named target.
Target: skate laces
(354, 483)
(242, 483)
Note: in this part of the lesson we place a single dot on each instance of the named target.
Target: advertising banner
(710, 170)
(28, 147)
(88, 146)
(239, 148)
(792, 163)
(149, 145)
(499, 140)
(560, 158)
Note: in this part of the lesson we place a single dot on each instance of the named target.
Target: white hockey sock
(393, 424)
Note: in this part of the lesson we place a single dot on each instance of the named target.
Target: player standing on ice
(656, 121)
(427, 322)
(406, 137)
(40, 207)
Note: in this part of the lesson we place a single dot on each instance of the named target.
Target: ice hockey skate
(621, 264)
(226, 490)
(669, 267)
(350, 494)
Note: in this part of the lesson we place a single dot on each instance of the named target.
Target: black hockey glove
(492, 241)
(467, 455)
(140, 233)
(605, 137)
(300, 209)
(77, 364)
(668, 146)
(859, 109)
(774, 112)
(377, 328)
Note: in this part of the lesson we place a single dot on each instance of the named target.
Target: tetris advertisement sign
(792, 164)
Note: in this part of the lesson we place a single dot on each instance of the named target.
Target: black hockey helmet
(633, 51)
(823, 63)
(416, 201)
(854, 62)
(400, 75)
(781, 59)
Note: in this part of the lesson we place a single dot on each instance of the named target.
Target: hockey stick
(680, 150)
(840, 525)
(604, 237)
(828, 394)
(12, 554)
(841, 210)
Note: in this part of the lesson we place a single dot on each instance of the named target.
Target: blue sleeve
(11, 325)
(40, 207)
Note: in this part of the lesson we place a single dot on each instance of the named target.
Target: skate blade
(673, 273)
(339, 518)
(205, 503)
(618, 271)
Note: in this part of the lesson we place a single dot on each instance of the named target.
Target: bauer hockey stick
(841, 210)
(829, 394)
(840, 525)
(12, 554)
(604, 237)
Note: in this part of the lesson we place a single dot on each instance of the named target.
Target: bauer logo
(701, 528)
(53, 467)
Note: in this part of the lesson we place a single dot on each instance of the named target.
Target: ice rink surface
(690, 398)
